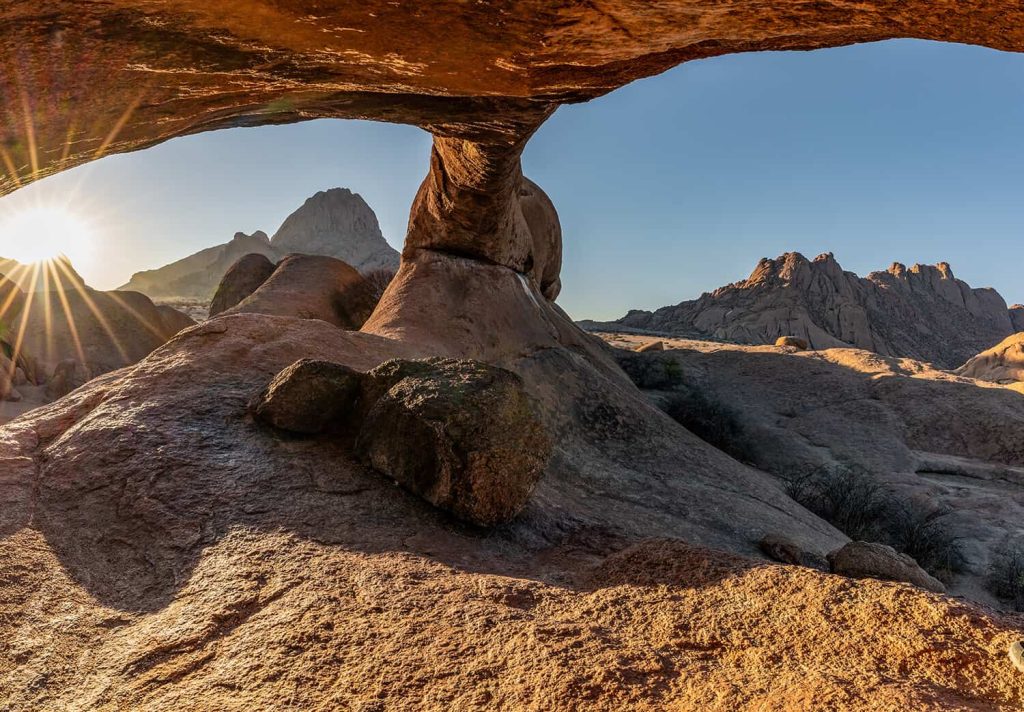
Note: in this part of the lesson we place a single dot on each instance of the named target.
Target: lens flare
(42, 233)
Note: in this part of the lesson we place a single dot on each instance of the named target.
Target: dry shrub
(379, 279)
(853, 501)
(713, 421)
(1006, 572)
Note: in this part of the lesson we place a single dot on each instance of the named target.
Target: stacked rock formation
(923, 312)
(462, 434)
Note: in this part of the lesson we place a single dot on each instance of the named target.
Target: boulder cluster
(462, 434)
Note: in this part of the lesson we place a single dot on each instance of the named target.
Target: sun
(41, 233)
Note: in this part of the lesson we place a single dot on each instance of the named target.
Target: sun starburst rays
(48, 296)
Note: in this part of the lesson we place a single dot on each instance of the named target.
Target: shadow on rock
(139, 474)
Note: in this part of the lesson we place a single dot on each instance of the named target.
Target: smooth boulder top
(242, 279)
(313, 287)
(863, 559)
(308, 397)
(1003, 363)
(794, 342)
(462, 434)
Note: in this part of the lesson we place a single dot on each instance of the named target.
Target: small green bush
(925, 534)
(379, 279)
(657, 372)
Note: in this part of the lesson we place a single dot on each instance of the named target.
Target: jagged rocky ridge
(923, 312)
(337, 223)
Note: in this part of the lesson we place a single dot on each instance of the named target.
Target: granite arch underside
(81, 80)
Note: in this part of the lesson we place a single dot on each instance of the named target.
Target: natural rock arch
(81, 80)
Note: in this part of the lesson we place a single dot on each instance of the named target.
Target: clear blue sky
(899, 151)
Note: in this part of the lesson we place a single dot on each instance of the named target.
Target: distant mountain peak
(335, 222)
(924, 312)
(258, 235)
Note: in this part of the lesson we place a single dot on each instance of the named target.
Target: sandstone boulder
(308, 396)
(462, 434)
(651, 346)
(103, 331)
(546, 232)
(242, 279)
(173, 320)
(313, 287)
(6, 385)
(68, 375)
(783, 549)
(1003, 363)
(863, 559)
(792, 342)
(1017, 654)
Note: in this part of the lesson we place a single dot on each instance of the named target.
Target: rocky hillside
(196, 555)
(336, 222)
(1017, 316)
(199, 274)
(923, 312)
